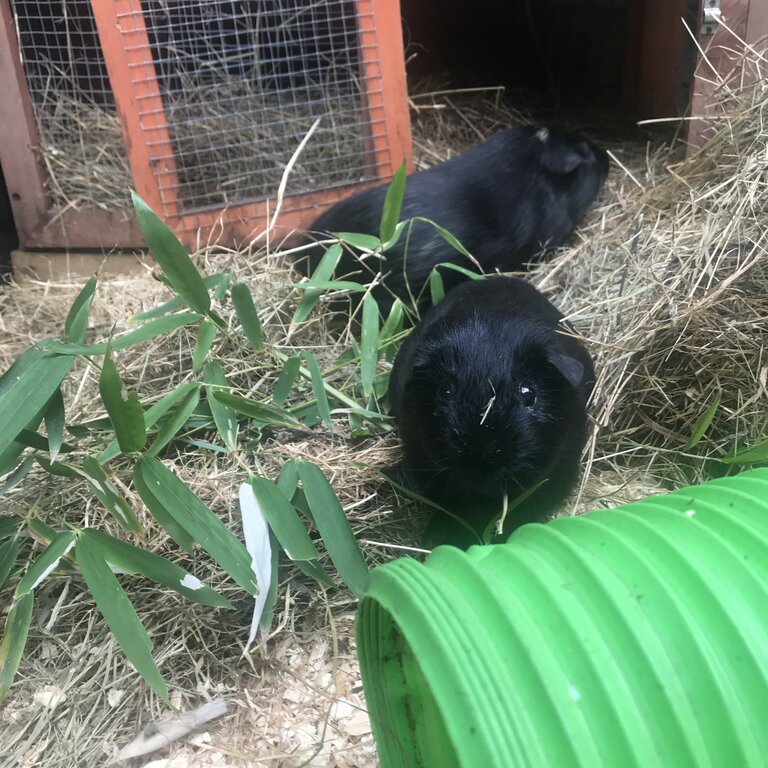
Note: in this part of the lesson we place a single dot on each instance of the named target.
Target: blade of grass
(756, 454)
(702, 424)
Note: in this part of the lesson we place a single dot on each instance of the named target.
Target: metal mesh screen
(79, 131)
(242, 81)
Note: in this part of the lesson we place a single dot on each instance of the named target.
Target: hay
(667, 280)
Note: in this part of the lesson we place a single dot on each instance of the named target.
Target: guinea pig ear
(570, 367)
(563, 157)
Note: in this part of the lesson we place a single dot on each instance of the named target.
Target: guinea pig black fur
(489, 393)
(507, 200)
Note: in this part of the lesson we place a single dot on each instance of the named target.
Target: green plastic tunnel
(636, 636)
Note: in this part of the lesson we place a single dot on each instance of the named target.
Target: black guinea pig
(507, 201)
(489, 393)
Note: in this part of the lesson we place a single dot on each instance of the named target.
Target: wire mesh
(241, 82)
(79, 132)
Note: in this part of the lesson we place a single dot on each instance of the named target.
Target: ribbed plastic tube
(636, 636)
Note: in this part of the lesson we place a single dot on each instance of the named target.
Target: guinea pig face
(493, 410)
(575, 165)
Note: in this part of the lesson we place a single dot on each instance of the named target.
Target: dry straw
(668, 282)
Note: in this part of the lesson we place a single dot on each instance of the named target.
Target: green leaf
(54, 423)
(369, 343)
(76, 323)
(334, 528)
(206, 333)
(436, 287)
(392, 328)
(358, 240)
(311, 568)
(134, 560)
(447, 236)
(143, 333)
(332, 285)
(757, 454)
(702, 424)
(25, 389)
(166, 521)
(283, 520)
(288, 478)
(212, 281)
(269, 604)
(108, 496)
(59, 468)
(38, 442)
(118, 612)
(225, 419)
(221, 287)
(285, 379)
(190, 512)
(124, 409)
(14, 640)
(151, 416)
(318, 388)
(9, 552)
(45, 563)
(9, 526)
(176, 420)
(247, 315)
(456, 268)
(396, 236)
(266, 414)
(392, 204)
(17, 475)
(322, 273)
(170, 254)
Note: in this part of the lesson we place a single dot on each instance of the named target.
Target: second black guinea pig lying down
(507, 200)
(489, 393)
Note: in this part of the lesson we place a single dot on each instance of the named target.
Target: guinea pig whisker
(489, 405)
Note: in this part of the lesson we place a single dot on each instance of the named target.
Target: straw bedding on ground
(668, 282)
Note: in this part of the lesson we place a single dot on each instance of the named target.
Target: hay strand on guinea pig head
(671, 287)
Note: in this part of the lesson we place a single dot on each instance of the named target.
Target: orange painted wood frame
(137, 93)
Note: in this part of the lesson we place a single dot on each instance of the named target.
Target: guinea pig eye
(527, 396)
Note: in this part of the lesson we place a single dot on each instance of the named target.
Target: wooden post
(24, 177)
(132, 74)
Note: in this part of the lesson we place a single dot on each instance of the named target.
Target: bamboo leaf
(247, 315)
(286, 379)
(25, 389)
(76, 323)
(288, 478)
(118, 612)
(176, 420)
(269, 604)
(447, 236)
(212, 281)
(196, 518)
(17, 475)
(331, 285)
(9, 552)
(456, 268)
(123, 408)
(702, 424)
(54, 423)
(322, 273)
(134, 560)
(143, 333)
(266, 414)
(358, 240)
(206, 333)
(757, 454)
(225, 419)
(108, 496)
(369, 343)
(13, 642)
(334, 528)
(172, 257)
(392, 328)
(436, 287)
(9, 526)
(393, 204)
(151, 416)
(312, 569)
(318, 388)
(45, 563)
(167, 522)
(283, 520)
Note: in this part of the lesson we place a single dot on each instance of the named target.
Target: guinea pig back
(489, 394)
(508, 200)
